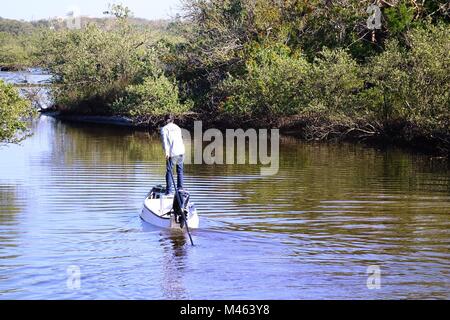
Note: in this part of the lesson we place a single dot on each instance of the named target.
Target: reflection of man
(173, 145)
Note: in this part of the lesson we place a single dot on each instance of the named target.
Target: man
(174, 149)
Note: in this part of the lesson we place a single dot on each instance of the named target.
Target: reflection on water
(174, 267)
(71, 195)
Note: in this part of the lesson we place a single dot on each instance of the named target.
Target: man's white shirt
(172, 140)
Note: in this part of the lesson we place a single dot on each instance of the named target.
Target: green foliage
(403, 85)
(94, 66)
(269, 88)
(337, 24)
(98, 69)
(280, 84)
(334, 80)
(119, 11)
(16, 52)
(15, 27)
(263, 60)
(20, 40)
(255, 60)
(221, 37)
(157, 95)
(13, 109)
(221, 32)
(414, 84)
(399, 18)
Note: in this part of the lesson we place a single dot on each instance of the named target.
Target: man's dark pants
(179, 162)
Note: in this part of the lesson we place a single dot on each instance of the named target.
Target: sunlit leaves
(13, 111)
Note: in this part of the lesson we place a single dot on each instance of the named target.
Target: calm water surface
(30, 76)
(72, 194)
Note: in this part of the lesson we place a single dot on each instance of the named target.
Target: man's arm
(165, 142)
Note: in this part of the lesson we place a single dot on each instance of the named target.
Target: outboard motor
(179, 208)
(157, 192)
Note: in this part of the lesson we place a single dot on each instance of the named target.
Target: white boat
(159, 210)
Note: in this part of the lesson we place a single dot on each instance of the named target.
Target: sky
(41, 9)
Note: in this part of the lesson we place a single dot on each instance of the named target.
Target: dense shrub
(260, 61)
(280, 84)
(16, 52)
(412, 84)
(270, 87)
(13, 110)
(403, 92)
(157, 95)
(95, 65)
(334, 80)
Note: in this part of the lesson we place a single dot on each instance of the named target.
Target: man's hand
(167, 158)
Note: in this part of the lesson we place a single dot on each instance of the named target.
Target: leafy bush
(400, 17)
(262, 60)
(334, 79)
(413, 84)
(404, 91)
(271, 86)
(13, 109)
(157, 95)
(280, 84)
(16, 51)
(92, 67)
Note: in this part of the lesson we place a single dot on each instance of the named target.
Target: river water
(70, 196)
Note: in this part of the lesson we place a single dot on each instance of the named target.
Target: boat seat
(161, 208)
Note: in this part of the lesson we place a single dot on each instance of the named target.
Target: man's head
(169, 119)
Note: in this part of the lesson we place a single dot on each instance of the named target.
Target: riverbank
(306, 128)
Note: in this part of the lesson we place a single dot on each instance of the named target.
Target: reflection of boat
(174, 265)
(163, 210)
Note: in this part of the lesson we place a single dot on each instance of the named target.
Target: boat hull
(168, 222)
